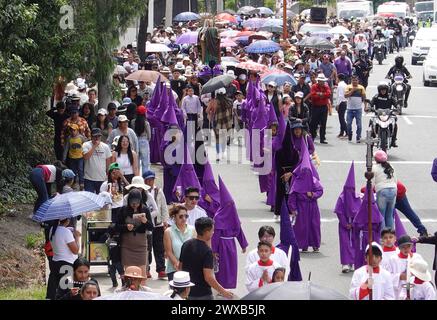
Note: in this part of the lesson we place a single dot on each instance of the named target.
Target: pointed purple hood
(272, 116)
(362, 216)
(303, 180)
(350, 180)
(208, 183)
(348, 202)
(226, 217)
(155, 95)
(399, 227)
(169, 116)
(187, 175)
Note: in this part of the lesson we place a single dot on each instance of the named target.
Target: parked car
(430, 68)
(426, 38)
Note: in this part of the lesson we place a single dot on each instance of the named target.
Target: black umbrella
(217, 83)
(316, 42)
(294, 290)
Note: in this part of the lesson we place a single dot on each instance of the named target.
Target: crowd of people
(190, 224)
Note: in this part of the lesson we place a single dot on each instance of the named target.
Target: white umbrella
(340, 30)
(120, 70)
(157, 47)
(134, 295)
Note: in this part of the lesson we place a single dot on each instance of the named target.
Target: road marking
(415, 87)
(363, 162)
(408, 121)
(330, 220)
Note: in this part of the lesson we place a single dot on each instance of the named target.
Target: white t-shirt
(381, 179)
(95, 167)
(341, 88)
(59, 242)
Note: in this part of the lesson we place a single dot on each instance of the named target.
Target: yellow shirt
(75, 151)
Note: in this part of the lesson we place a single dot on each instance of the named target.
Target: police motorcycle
(398, 89)
(379, 49)
(382, 124)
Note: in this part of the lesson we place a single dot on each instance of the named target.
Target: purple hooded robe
(209, 187)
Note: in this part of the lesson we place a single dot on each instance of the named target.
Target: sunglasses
(270, 86)
(183, 216)
(193, 197)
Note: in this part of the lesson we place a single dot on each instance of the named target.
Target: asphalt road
(412, 162)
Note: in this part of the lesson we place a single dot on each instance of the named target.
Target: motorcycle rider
(400, 68)
(379, 35)
(362, 66)
(382, 100)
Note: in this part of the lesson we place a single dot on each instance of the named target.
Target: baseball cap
(126, 101)
(149, 175)
(96, 132)
(102, 112)
(122, 118)
(405, 239)
(141, 110)
(114, 166)
(272, 83)
(68, 173)
(299, 94)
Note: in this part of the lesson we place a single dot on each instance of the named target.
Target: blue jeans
(403, 206)
(92, 186)
(386, 200)
(350, 115)
(37, 179)
(77, 166)
(144, 154)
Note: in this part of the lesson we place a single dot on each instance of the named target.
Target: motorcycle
(382, 124)
(379, 50)
(398, 89)
(411, 35)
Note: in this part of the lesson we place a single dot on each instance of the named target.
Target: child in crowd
(114, 257)
(421, 287)
(388, 236)
(261, 272)
(278, 275)
(68, 180)
(73, 155)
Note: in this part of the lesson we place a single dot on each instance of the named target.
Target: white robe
(254, 274)
(279, 256)
(397, 266)
(386, 255)
(423, 291)
(382, 284)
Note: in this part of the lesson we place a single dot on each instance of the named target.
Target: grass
(34, 240)
(37, 292)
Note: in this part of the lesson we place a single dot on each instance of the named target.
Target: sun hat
(321, 77)
(141, 110)
(138, 182)
(114, 165)
(149, 175)
(134, 272)
(68, 173)
(231, 73)
(242, 76)
(272, 83)
(419, 268)
(165, 70)
(122, 118)
(126, 101)
(380, 156)
(181, 279)
(102, 112)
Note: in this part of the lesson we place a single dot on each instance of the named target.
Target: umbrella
(226, 17)
(279, 78)
(243, 40)
(254, 23)
(134, 295)
(146, 75)
(227, 43)
(120, 70)
(266, 11)
(294, 290)
(253, 66)
(247, 10)
(217, 83)
(230, 11)
(186, 16)
(245, 33)
(157, 47)
(263, 46)
(272, 25)
(340, 30)
(229, 61)
(316, 42)
(70, 205)
(187, 38)
(229, 33)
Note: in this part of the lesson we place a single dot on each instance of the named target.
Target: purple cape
(209, 187)
(163, 103)
(272, 116)
(304, 180)
(169, 116)
(288, 239)
(154, 101)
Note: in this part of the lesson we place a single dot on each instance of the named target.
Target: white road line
(362, 162)
(408, 121)
(415, 87)
(330, 220)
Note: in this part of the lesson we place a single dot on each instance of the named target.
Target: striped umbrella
(72, 204)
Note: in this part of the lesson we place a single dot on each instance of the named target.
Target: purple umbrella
(187, 38)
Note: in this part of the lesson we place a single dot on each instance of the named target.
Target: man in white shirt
(192, 107)
(130, 65)
(341, 105)
(267, 233)
(192, 196)
(97, 156)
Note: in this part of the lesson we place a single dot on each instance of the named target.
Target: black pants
(341, 112)
(59, 149)
(114, 267)
(56, 276)
(157, 241)
(319, 117)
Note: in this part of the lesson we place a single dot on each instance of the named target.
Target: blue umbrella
(70, 205)
(263, 46)
(279, 78)
(186, 16)
(272, 25)
(266, 11)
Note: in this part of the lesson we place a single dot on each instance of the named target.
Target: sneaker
(323, 142)
(149, 276)
(345, 268)
(358, 141)
(305, 250)
(351, 268)
(115, 284)
(276, 217)
(349, 138)
(393, 144)
(162, 275)
(424, 233)
(315, 249)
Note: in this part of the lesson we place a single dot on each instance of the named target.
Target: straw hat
(134, 272)
(138, 182)
(321, 77)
